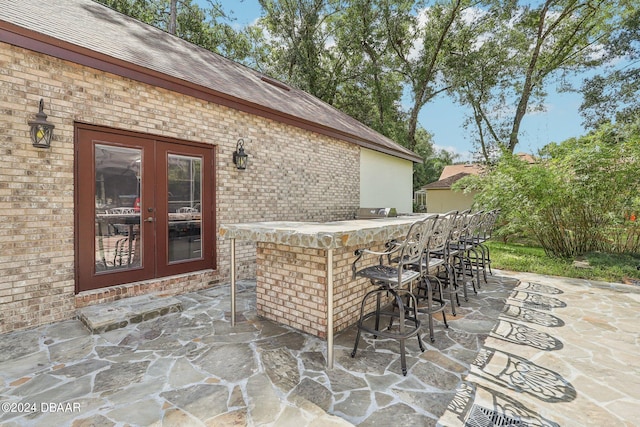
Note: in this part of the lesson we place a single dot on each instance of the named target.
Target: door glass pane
(117, 199)
(184, 176)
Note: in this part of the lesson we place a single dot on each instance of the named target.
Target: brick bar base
(292, 287)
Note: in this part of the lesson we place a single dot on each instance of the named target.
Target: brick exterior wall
(292, 286)
(292, 174)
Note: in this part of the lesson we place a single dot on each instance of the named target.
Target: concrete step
(118, 314)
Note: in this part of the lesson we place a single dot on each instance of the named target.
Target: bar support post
(329, 308)
(233, 282)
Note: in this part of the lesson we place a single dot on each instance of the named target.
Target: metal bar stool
(449, 228)
(431, 263)
(484, 232)
(469, 258)
(389, 277)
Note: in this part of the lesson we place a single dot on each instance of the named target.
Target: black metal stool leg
(363, 317)
(362, 305)
(432, 294)
(462, 269)
(441, 301)
(414, 307)
(429, 308)
(453, 295)
(377, 328)
(401, 326)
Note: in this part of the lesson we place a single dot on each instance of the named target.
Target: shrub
(581, 196)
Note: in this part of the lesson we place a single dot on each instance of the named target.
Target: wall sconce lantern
(239, 156)
(41, 130)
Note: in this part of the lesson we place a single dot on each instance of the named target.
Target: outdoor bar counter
(303, 271)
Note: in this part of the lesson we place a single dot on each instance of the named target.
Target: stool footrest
(413, 329)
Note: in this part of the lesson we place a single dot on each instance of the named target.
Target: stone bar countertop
(322, 235)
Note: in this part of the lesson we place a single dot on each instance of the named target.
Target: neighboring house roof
(445, 184)
(93, 35)
(527, 158)
(452, 173)
(468, 169)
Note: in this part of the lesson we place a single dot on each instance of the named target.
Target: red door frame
(154, 201)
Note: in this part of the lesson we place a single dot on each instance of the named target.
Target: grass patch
(597, 266)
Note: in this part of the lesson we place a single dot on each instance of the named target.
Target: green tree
(613, 93)
(300, 44)
(422, 46)
(371, 86)
(514, 50)
(338, 51)
(142, 10)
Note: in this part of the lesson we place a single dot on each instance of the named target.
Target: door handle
(150, 219)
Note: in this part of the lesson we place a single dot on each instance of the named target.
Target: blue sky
(444, 119)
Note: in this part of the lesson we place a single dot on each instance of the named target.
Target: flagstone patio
(528, 349)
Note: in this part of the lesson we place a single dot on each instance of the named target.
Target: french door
(144, 207)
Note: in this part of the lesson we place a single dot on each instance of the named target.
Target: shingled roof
(446, 183)
(467, 169)
(453, 173)
(90, 34)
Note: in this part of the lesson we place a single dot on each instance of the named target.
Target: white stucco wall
(441, 201)
(385, 181)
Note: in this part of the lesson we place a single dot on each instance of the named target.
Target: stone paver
(560, 355)
(127, 310)
(547, 351)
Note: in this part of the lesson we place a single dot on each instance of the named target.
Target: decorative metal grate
(484, 417)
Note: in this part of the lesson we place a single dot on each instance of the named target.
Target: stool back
(441, 232)
(410, 250)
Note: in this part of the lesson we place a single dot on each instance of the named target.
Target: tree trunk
(413, 116)
(173, 16)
